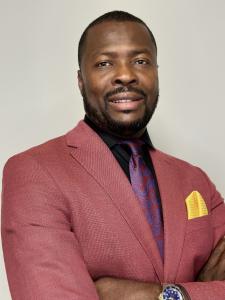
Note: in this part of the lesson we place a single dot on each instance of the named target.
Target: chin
(128, 119)
(127, 127)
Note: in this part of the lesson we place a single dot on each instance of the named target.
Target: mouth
(125, 98)
(126, 101)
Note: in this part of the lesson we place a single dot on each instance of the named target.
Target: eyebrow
(130, 52)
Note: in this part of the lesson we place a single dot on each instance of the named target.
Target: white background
(39, 98)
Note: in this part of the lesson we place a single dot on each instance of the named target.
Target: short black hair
(116, 15)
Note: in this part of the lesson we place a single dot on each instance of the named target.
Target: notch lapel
(92, 153)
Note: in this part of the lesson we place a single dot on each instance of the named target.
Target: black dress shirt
(122, 154)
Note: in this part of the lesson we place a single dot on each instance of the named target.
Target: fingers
(217, 254)
(222, 259)
(214, 269)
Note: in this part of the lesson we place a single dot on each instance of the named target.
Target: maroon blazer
(69, 217)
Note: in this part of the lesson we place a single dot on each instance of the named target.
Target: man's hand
(121, 289)
(214, 269)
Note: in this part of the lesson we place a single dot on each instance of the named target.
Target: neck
(128, 135)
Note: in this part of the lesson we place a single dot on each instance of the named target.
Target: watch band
(185, 293)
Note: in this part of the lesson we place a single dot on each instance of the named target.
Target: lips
(126, 101)
(125, 98)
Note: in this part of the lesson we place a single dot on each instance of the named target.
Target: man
(100, 213)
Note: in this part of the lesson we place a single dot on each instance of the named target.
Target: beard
(119, 128)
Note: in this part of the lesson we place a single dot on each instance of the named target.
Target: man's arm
(42, 256)
(122, 289)
(119, 289)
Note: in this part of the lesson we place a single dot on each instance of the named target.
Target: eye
(142, 62)
(103, 64)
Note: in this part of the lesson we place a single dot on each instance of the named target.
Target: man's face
(118, 78)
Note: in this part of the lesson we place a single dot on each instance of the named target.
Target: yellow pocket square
(196, 206)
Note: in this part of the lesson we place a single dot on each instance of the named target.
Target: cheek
(94, 94)
(151, 83)
(90, 88)
(95, 87)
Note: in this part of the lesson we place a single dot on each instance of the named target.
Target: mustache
(125, 89)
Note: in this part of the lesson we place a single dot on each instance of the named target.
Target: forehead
(113, 35)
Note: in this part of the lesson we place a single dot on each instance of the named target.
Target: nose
(124, 75)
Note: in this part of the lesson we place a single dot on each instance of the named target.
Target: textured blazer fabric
(70, 216)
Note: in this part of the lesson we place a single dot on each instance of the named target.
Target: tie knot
(134, 145)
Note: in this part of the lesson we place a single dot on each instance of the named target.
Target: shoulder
(45, 149)
(50, 155)
(172, 160)
(183, 169)
(186, 177)
(29, 163)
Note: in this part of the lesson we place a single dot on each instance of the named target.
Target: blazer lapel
(174, 213)
(88, 148)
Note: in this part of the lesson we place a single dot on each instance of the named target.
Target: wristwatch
(171, 292)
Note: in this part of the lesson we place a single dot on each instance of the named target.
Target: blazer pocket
(198, 223)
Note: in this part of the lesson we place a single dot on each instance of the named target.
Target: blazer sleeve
(42, 255)
(214, 289)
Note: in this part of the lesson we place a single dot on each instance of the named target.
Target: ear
(80, 81)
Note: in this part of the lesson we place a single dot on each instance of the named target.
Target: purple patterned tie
(144, 186)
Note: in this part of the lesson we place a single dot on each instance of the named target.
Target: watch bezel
(171, 287)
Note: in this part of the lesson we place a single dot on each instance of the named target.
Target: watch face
(172, 293)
